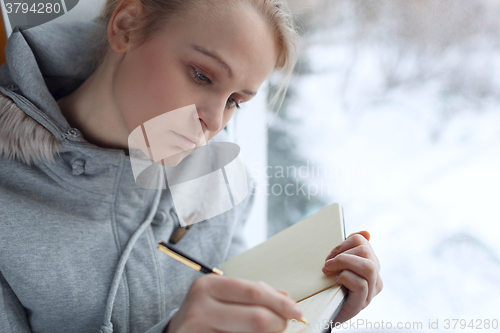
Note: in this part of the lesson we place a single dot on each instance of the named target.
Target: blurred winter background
(394, 112)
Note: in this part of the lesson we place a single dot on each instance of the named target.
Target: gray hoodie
(77, 235)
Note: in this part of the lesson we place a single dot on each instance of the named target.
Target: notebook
(292, 260)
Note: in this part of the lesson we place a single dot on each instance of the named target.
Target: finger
(366, 235)
(244, 318)
(352, 241)
(363, 233)
(366, 252)
(372, 292)
(365, 268)
(356, 300)
(284, 292)
(379, 285)
(236, 290)
(363, 251)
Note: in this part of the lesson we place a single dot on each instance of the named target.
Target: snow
(418, 166)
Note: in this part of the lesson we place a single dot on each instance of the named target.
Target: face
(205, 65)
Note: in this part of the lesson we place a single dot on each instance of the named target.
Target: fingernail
(328, 263)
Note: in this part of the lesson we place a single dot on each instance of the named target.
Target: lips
(184, 142)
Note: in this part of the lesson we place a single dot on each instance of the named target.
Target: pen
(193, 263)
(187, 259)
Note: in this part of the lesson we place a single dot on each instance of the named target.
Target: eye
(199, 77)
(231, 102)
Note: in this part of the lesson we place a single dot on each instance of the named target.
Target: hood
(43, 64)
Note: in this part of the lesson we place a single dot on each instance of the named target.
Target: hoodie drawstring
(107, 326)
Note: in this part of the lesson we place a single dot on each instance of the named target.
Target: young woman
(77, 235)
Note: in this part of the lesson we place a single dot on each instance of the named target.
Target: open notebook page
(292, 260)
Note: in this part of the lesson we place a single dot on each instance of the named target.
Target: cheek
(228, 114)
(145, 86)
(163, 83)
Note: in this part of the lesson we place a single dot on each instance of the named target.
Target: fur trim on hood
(21, 137)
(43, 64)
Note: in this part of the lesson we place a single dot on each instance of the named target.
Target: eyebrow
(251, 93)
(221, 63)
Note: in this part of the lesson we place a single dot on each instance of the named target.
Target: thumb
(283, 292)
(363, 233)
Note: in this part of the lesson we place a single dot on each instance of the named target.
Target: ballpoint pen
(193, 263)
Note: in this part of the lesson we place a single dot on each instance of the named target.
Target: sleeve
(238, 243)
(13, 317)
(161, 327)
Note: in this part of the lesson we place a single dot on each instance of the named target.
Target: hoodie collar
(45, 63)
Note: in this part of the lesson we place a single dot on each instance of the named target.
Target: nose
(212, 114)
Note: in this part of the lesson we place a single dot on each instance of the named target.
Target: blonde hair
(157, 12)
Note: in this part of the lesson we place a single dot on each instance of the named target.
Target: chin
(175, 159)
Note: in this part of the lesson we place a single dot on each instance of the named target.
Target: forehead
(237, 33)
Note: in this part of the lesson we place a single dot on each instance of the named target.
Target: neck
(92, 109)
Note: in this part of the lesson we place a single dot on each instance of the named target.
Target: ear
(124, 18)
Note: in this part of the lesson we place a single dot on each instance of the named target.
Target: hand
(224, 304)
(358, 269)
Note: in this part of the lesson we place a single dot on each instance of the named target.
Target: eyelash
(200, 78)
(236, 104)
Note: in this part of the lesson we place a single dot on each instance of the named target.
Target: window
(393, 113)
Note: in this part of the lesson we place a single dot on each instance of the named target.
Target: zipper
(179, 231)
